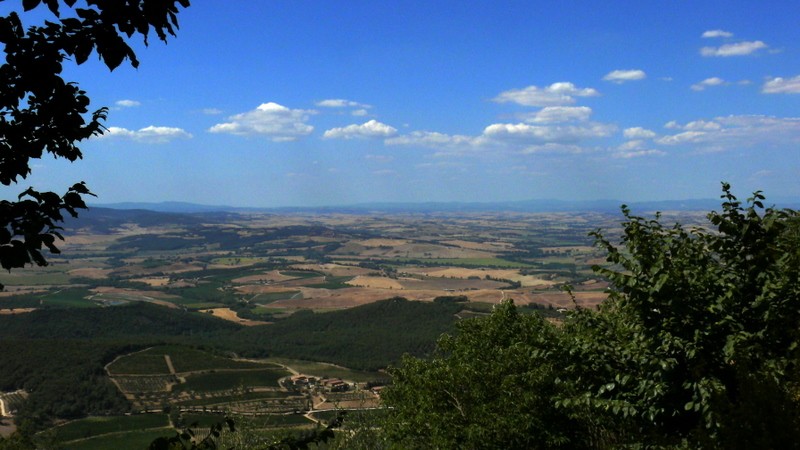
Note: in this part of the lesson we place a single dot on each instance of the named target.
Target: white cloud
(515, 137)
(635, 148)
(723, 133)
(151, 134)
(737, 49)
(431, 139)
(717, 34)
(341, 103)
(556, 148)
(621, 76)
(680, 138)
(371, 129)
(211, 111)
(541, 134)
(553, 114)
(763, 173)
(638, 133)
(638, 153)
(561, 93)
(708, 82)
(360, 112)
(695, 125)
(275, 121)
(780, 85)
(127, 103)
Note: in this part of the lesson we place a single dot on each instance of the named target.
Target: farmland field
(93, 426)
(219, 381)
(126, 293)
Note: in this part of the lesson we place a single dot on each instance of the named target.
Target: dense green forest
(58, 355)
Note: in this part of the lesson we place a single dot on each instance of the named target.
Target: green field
(247, 422)
(184, 359)
(328, 370)
(129, 440)
(300, 273)
(245, 397)
(69, 298)
(238, 261)
(470, 262)
(35, 277)
(200, 305)
(333, 283)
(141, 363)
(274, 296)
(220, 381)
(61, 298)
(94, 426)
(188, 360)
(268, 310)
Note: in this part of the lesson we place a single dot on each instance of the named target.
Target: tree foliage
(487, 386)
(697, 346)
(40, 112)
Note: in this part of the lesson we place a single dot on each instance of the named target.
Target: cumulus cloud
(360, 112)
(275, 121)
(717, 34)
(555, 148)
(554, 114)
(541, 134)
(431, 139)
(514, 137)
(638, 153)
(723, 133)
(635, 148)
(127, 103)
(341, 103)
(371, 129)
(561, 93)
(708, 82)
(695, 125)
(780, 85)
(681, 138)
(638, 133)
(737, 49)
(621, 76)
(151, 134)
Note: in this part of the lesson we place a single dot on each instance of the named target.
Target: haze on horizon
(304, 104)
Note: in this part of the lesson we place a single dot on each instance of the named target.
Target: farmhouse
(335, 385)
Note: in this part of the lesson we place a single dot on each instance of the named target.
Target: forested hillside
(58, 355)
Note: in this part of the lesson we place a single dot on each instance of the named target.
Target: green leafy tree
(704, 327)
(40, 112)
(489, 385)
(696, 347)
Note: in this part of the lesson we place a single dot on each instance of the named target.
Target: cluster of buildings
(305, 382)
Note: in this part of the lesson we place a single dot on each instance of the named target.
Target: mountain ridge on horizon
(533, 205)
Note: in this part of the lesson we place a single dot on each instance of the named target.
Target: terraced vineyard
(194, 380)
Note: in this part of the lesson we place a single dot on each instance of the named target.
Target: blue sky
(304, 103)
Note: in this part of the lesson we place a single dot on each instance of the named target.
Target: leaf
(52, 5)
(28, 5)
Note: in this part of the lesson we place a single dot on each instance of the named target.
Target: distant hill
(542, 205)
(105, 219)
